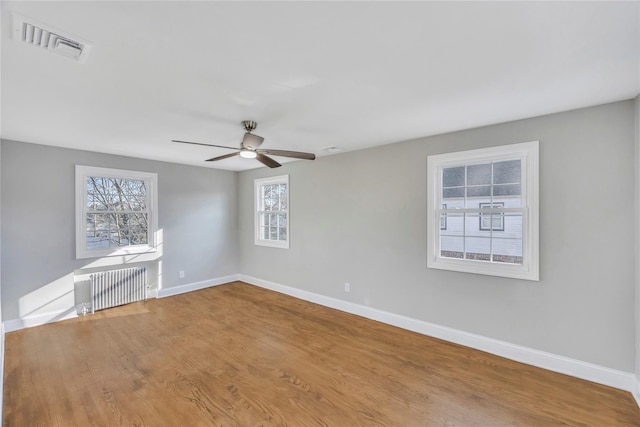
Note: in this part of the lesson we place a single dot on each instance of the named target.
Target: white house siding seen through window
(487, 232)
(483, 211)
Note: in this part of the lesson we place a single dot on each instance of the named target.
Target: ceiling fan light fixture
(251, 141)
(248, 154)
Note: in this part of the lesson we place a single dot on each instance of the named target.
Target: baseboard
(553, 362)
(189, 287)
(42, 319)
(39, 319)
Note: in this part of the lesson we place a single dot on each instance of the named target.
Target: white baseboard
(44, 318)
(553, 362)
(39, 319)
(175, 290)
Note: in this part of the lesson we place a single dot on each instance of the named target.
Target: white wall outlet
(347, 287)
(182, 274)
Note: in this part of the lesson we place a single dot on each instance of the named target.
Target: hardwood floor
(238, 355)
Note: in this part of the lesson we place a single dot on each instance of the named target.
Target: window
(272, 211)
(490, 221)
(115, 212)
(488, 201)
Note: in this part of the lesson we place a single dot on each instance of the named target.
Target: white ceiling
(312, 74)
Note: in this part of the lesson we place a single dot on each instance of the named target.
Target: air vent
(47, 38)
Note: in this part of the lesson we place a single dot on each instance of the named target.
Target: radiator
(118, 287)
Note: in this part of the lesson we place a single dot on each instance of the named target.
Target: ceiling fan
(249, 148)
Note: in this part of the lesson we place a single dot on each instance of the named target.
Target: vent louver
(36, 34)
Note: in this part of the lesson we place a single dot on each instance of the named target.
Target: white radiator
(118, 287)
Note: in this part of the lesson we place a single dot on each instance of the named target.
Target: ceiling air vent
(36, 34)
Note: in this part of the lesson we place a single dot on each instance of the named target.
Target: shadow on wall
(63, 297)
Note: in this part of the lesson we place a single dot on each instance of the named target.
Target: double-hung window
(488, 199)
(272, 211)
(116, 212)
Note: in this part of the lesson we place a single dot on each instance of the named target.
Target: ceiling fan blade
(226, 156)
(267, 161)
(206, 145)
(285, 153)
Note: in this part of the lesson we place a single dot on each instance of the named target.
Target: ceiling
(313, 75)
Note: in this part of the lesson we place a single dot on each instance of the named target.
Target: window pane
(123, 229)
(471, 226)
(282, 219)
(506, 190)
(450, 193)
(138, 237)
(455, 225)
(90, 201)
(138, 229)
(507, 172)
(484, 191)
(452, 246)
(507, 244)
(453, 177)
(477, 248)
(97, 229)
(479, 174)
(282, 233)
(273, 220)
(116, 194)
(273, 233)
(497, 222)
(491, 221)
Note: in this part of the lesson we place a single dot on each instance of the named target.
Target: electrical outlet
(182, 274)
(347, 287)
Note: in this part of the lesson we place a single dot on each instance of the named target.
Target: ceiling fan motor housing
(251, 141)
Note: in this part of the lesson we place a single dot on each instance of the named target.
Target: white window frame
(528, 153)
(258, 209)
(151, 184)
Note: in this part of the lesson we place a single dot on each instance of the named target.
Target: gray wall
(637, 213)
(197, 216)
(360, 217)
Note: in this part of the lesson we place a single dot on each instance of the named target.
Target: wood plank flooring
(238, 355)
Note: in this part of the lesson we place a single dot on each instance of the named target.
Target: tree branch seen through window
(117, 213)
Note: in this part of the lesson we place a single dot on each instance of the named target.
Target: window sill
(484, 267)
(101, 253)
(272, 244)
